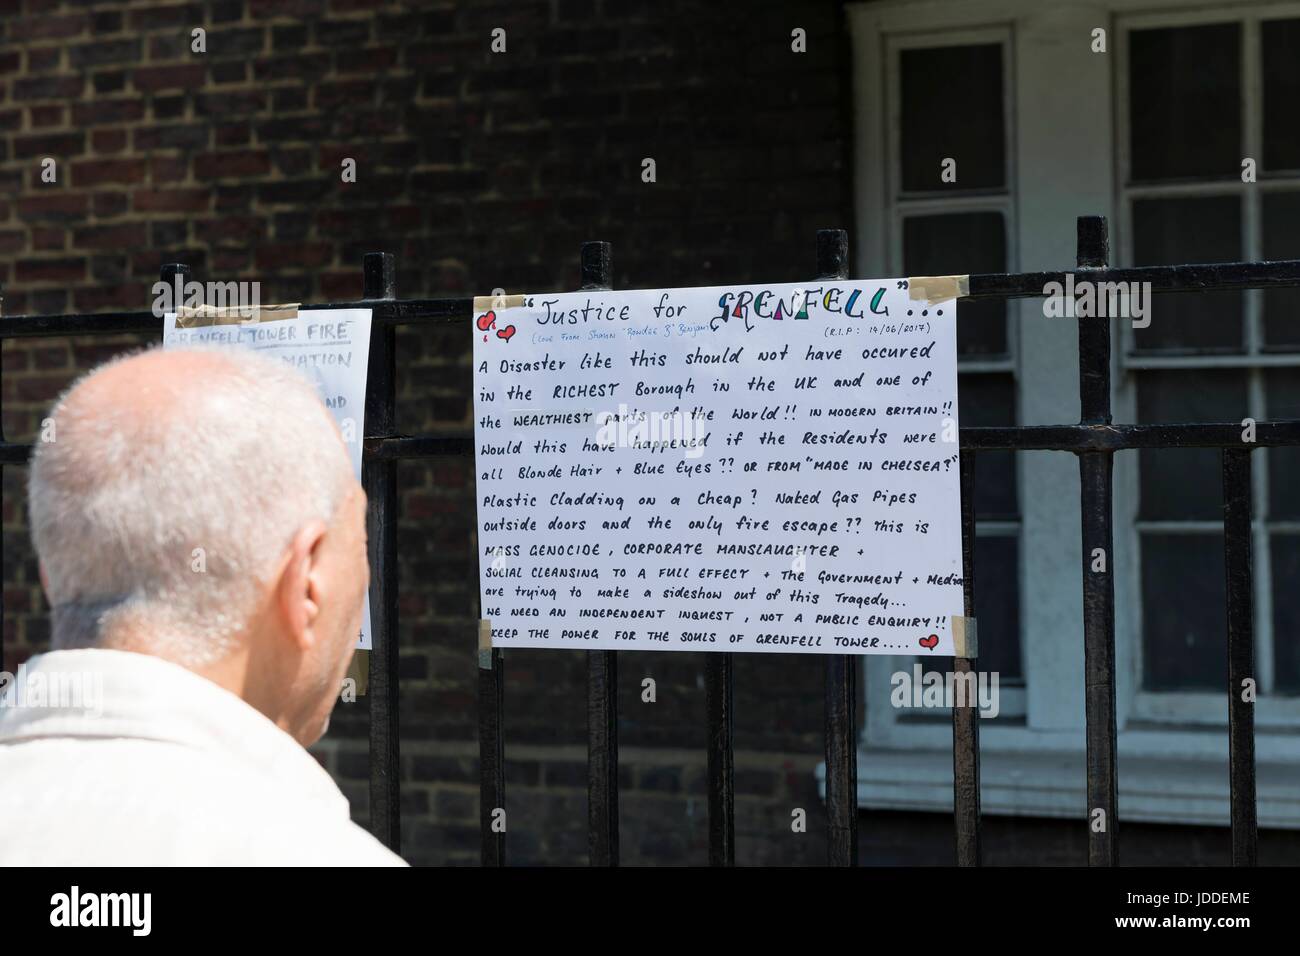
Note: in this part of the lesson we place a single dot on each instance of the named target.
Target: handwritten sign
(760, 468)
(330, 346)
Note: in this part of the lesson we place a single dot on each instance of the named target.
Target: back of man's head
(172, 486)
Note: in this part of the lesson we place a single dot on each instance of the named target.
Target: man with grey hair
(202, 543)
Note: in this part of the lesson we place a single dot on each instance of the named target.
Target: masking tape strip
(204, 316)
(938, 288)
(485, 644)
(965, 637)
(482, 303)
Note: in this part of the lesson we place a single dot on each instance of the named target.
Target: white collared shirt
(136, 761)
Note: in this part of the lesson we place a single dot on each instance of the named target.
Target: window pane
(1168, 232)
(1185, 102)
(1184, 611)
(983, 400)
(960, 244)
(1279, 41)
(962, 85)
(1286, 613)
(997, 604)
(997, 608)
(1282, 241)
(1282, 394)
(1186, 483)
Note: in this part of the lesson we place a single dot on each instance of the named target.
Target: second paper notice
(767, 468)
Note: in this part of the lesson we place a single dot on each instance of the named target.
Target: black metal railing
(1094, 439)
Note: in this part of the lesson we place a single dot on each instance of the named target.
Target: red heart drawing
(505, 333)
(930, 641)
(486, 321)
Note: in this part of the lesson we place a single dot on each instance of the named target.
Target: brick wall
(478, 170)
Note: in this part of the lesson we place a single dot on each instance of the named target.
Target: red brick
(289, 255)
(153, 78)
(18, 599)
(229, 261)
(49, 357)
(242, 229)
(108, 140)
(12, 241)
(57, 205)
(44, 60)
(120, 236)
(376, 60)
(46, 116)
(186, 136)
(172, 15)
(166, 169)
(170, 200)
(50, 270)
(98, 112)
(340, 286)
(47, 27)
(130, 296)
(90, 354)
(285, 8)
(107, 205)
(55, 145)
(48, 240)
(233, 134)
(95, 172)
(44, 388)
(47, 88)
(234, 164)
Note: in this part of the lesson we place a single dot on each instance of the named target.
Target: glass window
(963, 84)
(963, 243)
(1185, 102)
(1279, 43)
(1169, 232)
(1200, 100)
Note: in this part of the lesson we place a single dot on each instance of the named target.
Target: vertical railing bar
(3, 571)
(602, 667)
(1096, 511)
(380, 481)
(491, 749)
(491, 718)
(719, 700)
(719, 707)
(1241, 654)
(841, 669)
(965, 720)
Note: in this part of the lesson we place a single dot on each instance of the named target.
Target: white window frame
(948, 200)
(1063, 164)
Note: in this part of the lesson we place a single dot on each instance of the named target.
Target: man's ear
(296, 594)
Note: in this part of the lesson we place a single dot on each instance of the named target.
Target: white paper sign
(760, 468)
(330, 346)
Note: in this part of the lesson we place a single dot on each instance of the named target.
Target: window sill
(1050, 783)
